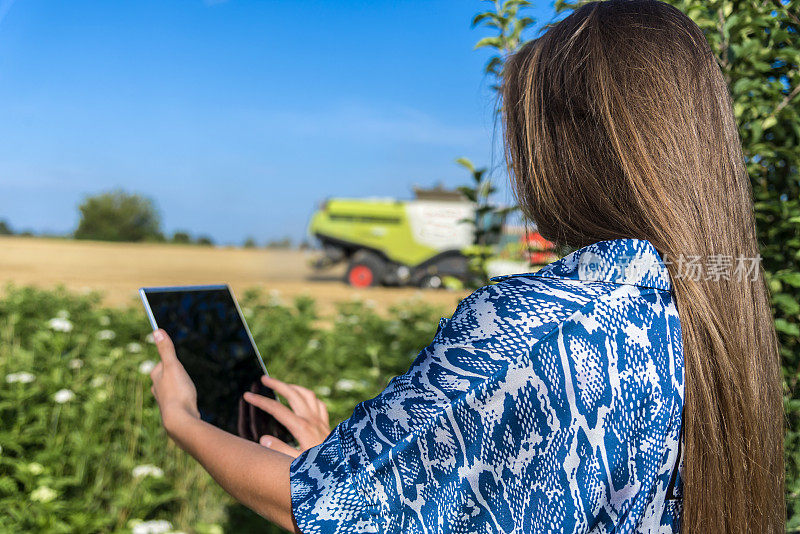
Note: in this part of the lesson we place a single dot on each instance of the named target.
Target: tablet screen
(213, 344)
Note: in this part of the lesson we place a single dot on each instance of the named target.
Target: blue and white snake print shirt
(549, 402)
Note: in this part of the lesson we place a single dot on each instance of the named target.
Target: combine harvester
(423, 242)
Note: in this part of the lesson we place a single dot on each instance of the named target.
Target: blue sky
(236, 117)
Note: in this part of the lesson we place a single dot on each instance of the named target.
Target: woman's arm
(256, 476)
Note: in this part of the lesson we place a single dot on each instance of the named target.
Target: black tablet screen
(212, 343)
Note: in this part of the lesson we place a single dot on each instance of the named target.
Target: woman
(555, 401)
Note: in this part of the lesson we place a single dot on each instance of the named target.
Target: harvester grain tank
(393, 242)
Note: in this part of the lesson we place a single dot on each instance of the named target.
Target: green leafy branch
(505, 19)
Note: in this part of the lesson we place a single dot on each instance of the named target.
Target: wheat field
(117, 270)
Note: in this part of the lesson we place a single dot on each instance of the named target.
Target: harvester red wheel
(360, 276)
(366, 269)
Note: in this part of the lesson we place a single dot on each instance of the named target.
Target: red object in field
(541, 250)
(360, 276)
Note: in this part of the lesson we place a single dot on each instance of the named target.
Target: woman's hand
(173, 389)
(306, 418)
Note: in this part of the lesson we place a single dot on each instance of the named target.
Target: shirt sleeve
(383, 467)
(324, 496)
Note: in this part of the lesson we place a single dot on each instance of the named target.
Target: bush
(83, 449)
(119, 216)
(181, 237)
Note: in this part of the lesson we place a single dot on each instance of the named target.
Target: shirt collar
(619, 261)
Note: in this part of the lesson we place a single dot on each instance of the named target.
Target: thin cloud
(400, 125)
(5, 5)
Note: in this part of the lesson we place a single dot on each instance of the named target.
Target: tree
(205, 240)
(119, 216)
(285, 242)
(488, 221)
(757, 45)
(5, 228)
(503, 18)
(250, 242)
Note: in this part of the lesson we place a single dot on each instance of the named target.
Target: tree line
(129, 217)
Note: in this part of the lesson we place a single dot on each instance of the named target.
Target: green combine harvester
(420, 242)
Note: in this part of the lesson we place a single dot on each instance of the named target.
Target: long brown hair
(619, 124)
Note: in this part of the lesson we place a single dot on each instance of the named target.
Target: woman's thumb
(165, 347)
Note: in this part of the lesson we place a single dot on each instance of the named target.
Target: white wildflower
(105, 320)
(147, 470)
(101, 396)
(59, 324)
(134, 347)
(106, 335)
(43, 494)
(35, 468)
(22, 378)
(159, 526)
(345, 384)
(75, 363)
(323, 391)
(275, 297)
(313, 344)
(147, 366)
(149, 338)
(98, 380)
(63, 395)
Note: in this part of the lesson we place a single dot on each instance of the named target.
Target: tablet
(215, 346)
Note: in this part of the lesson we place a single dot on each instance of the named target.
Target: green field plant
(82, 447)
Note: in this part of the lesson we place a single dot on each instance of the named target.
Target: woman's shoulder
(614, 281)
(516, 313)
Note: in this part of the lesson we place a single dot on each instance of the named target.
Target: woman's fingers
(307, 419)
(323, 412)
(155, 373)
(292, 421)
(310, 398)
(296, 400)
(271, 442)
